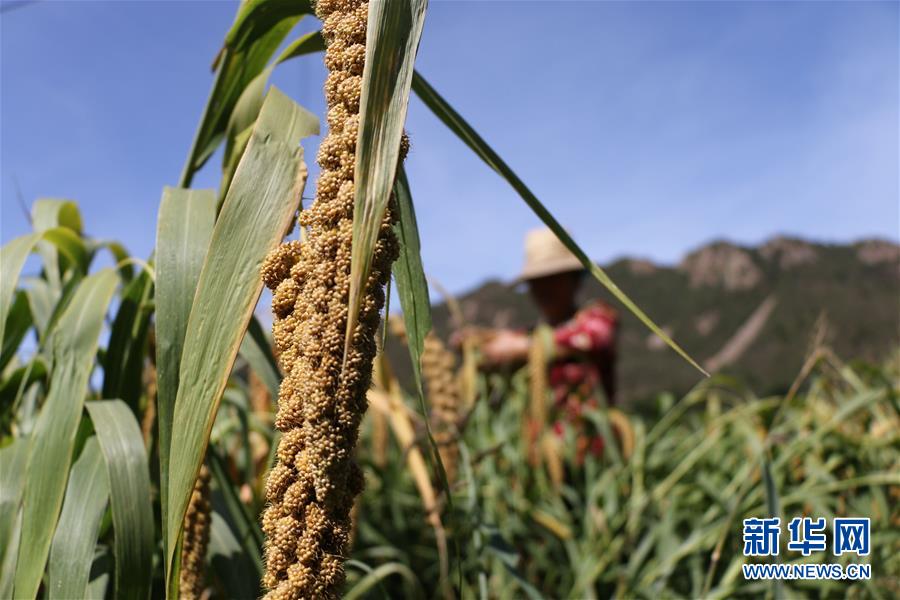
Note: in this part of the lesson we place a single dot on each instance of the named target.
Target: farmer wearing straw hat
(581, 343)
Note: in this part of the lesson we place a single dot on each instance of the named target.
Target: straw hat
(546, 255)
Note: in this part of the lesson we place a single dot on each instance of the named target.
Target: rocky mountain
(746, 311)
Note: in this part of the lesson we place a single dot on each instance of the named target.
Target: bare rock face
(640, 266)
(874, 252)
(789, 252)
(721, 264)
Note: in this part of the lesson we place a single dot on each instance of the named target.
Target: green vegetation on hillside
(847, 294)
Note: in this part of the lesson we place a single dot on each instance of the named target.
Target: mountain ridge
(765, 300)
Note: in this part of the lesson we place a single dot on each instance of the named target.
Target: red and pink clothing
(587, 367)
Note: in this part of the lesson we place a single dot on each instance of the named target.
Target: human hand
(506, 346)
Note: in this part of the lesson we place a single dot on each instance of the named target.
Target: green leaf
(257, 351)
(773, 505)
(43, 300)
(49, 242)
(246, 109)
(256, 18)
(258, 31)
(247, 528)
(124, 359)
(49, 213)
(73, 344)
(258, 210)
(72, 551)
(129, 495)
(380, 573)
(118, 252)
(8, 566)
(21, 379)
(412, 287)
(12, 259)
(392, 39)
(70, 245)
(230, 562)
(19, 321)
(470, 137)
(184, 228)
(13, 460)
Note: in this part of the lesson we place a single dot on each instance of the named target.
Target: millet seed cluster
(439, 372)
(312, 487)
(196, 539)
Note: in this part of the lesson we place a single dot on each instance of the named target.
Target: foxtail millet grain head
(195, 539)
(445, 398)
(311, 488)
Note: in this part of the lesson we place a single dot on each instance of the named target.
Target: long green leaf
(257, 351)
(412, 287)
(19, 320)
(392, 39)
(13, 459)
(184, 228)
(127, 348)
(259, 29)
(230, 562)
(73, 343)
(773, 504)
(129, 495)
(50, 242)
(72, 551)
(247, 107)
(12, 259)
(470, 137)
(258, 210)
(49, 213)
(248, 531)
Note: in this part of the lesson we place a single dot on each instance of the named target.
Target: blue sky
(648, 128)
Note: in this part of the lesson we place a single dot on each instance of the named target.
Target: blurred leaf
(382, 572)
(127, 348)
(12, 259)
(392, 38)
(257, 213)
(74, 344)
(8, 566)
(257, 351)
(774, 506)
(184, 228)
(412, 288)
(464, 131)
(409, 274)
(230, 562)
(129, 495)
(42, 300)
(246, 109)
(257, 18)
(21, 379)
(246, 528)
(72, 550)
(49, 242)
(19, 321)
(100, 577)
(13, 459)
(49, 213)
(259, 29)
(119, 254)
(69, 244)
